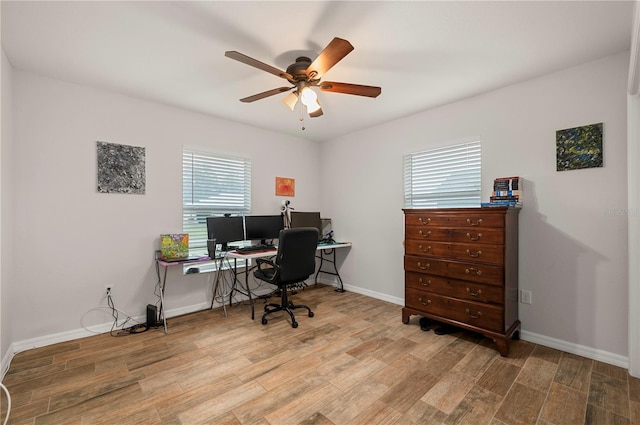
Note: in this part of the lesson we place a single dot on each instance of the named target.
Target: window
(212, 184)
(444, 177)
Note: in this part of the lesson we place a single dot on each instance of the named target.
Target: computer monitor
(225, 230)
(307, 219)
(263, 227)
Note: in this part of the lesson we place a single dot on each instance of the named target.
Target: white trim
(580, 350)
(376, 295)
(29, 344)
(6, 362)
(633, 207)
(577, 349)
(634, 57)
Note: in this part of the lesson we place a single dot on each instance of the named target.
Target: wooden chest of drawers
(461, 268)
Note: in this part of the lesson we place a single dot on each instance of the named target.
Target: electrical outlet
(525, 297)
(108, 289)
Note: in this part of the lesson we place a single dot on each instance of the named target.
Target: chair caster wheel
(294, 324)
(264, 321)
(311, 314)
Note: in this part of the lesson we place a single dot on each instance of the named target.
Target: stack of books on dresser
(507, 192)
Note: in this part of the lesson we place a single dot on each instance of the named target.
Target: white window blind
(212, 185)
(444, 177)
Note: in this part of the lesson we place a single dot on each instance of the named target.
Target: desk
(250, 256)
(163, 282)
(327, 255)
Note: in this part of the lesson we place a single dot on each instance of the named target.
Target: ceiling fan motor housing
(298, 69)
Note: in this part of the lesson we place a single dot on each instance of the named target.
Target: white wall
(573, 241)
(71, 241)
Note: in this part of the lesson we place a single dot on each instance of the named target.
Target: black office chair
(294, 262)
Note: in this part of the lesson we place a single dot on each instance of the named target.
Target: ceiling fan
(304, 74)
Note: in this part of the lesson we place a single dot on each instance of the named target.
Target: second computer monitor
(307, 219)
(225, 230)
(263, 227)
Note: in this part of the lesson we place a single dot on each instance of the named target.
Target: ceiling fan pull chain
(301, 114)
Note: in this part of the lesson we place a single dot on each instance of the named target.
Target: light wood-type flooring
(355, 362)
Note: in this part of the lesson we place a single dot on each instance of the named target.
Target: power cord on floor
(137, 328)
(115, 314)
(6, 391)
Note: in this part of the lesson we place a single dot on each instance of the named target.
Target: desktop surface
(253, 249)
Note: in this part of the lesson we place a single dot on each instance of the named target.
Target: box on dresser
(461, 268)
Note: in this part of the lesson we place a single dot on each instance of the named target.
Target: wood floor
(355, 362)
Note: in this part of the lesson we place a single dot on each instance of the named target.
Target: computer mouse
(193, 270)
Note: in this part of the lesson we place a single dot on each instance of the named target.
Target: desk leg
(335, 268)
(235, 281)
(164, 282)
(216, 288)
(246, 284)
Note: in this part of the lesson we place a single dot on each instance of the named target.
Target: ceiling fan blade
(265, 94)
(316, 114)
(346, 88)
(331, 55)
(257, 64)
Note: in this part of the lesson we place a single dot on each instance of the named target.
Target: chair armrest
(260, 261)
(265, 273)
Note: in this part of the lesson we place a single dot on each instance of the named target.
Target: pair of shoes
(425, 324)
(446, 330)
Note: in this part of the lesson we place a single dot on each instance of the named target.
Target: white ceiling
(422, 53)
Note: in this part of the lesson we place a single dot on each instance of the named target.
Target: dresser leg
(405, 316)
(503, 346)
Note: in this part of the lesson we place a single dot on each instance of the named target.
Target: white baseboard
(580, 350)
(29, 344)
(577, 349)
(568, 347)
(6, 362)
(376, 295)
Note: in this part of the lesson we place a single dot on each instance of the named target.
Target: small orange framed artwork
(285, 186)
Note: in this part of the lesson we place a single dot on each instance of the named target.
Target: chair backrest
(296, 255)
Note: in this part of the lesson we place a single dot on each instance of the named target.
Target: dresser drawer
(472, 218)
(428, 234)
(493, 236)
(472, 313)
(475, 272)
(455, 288)
(484, 236)
(458, 251)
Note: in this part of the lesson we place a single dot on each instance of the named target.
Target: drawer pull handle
(423, 301)
(425, 235)
(420, 266)
(477, 223)
(474, 294)
(472, 270)
(476, 255)
(423, 283)
(425, 222)
(472, 316)
(474, 238)
(422, 248)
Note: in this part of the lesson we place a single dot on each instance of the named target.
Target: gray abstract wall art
(120, 168)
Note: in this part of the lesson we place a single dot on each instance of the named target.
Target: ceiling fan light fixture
(309, 98)
(290, 100)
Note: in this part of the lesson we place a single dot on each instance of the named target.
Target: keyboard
(251, 249)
